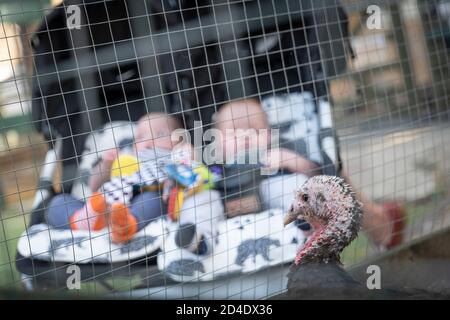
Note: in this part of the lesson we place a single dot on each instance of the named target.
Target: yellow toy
(124, 166)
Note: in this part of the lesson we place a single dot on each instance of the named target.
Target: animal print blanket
(241, 245)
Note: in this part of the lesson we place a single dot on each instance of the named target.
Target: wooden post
(403, 53)
(416, 43)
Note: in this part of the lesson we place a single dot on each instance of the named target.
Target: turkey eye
(305, 197)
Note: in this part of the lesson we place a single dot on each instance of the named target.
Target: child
(153, 148)
(291, 169)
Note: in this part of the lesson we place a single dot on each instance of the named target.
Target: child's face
(239, 138)
(154, 132)
(243, 130)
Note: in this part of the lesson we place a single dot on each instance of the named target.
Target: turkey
(330, 206)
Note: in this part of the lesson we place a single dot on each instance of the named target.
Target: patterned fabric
(296, 118)
(120, 189)
(152, 164)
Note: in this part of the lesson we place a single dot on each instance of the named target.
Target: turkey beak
(290, 217)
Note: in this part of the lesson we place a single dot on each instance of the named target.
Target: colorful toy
(188, 181)
(175, 202)
(179, 180)
(182, 174)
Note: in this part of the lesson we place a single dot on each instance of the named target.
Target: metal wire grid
(409, 116)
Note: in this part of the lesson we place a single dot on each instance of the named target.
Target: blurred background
(391, 110)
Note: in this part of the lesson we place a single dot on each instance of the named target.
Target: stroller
(128, 58)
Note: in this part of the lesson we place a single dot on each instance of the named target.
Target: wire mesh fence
(151, 148)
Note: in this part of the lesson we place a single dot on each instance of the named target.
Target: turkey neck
(329, 239)
(320, 248)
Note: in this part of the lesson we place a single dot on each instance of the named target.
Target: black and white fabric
(41, 242)
(243, 244)
(152, 163)
(305, 126)
(295, 116)
(240, 245)
(120, 189)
